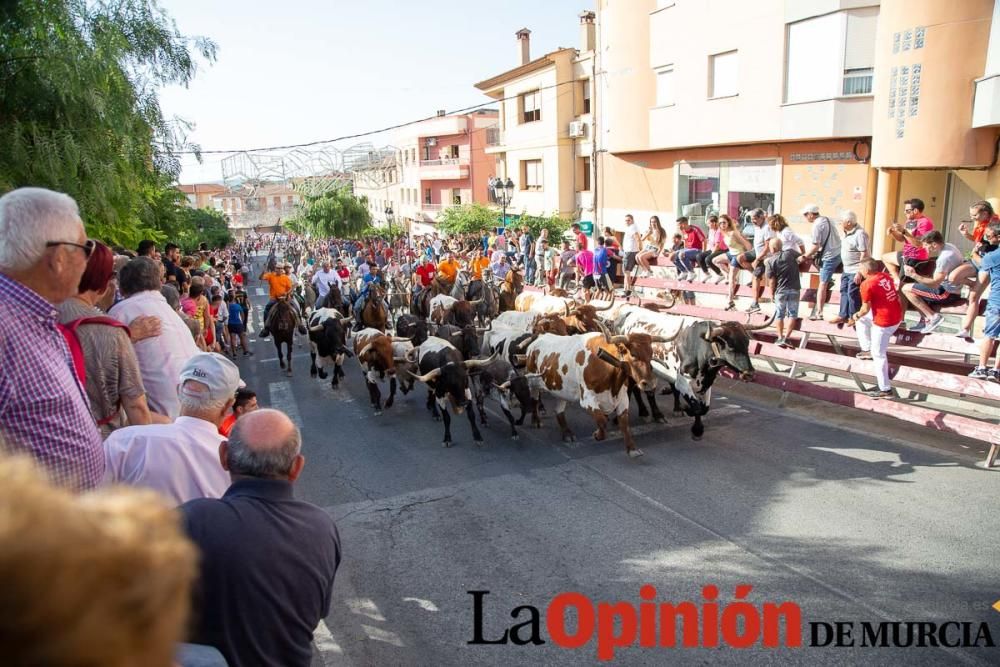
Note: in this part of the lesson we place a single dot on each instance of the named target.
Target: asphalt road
(849, 527)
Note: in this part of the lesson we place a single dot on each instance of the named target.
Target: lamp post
(503, 191)
(388, 219)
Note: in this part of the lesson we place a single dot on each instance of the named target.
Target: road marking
(427, 605)
(365, 607)
(294, 356)
(282, 399)
(325, 643)
(260, 291)
(380, 635)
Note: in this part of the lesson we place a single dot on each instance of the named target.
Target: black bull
(328, 342)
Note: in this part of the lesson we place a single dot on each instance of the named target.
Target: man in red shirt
(426, 272)
(246, 401)
(581, 238)
(876, 322)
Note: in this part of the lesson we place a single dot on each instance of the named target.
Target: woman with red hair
(113, 381)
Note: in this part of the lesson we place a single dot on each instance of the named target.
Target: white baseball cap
(213, 370)
(811, 208)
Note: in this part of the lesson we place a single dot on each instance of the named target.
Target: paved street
(850, 527)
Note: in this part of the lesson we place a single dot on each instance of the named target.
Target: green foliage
(79, 111)
(336, 212)
(382, 233)
(203, 225)
(556, 225)
(468, 219)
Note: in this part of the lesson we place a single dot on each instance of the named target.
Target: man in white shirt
(162, 357)
(180, 460)
(630, 248)
(324, 278)
(937, 289)
(753, 261)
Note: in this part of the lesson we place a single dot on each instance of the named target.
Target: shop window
(733, 187)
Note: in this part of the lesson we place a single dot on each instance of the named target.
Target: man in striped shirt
(43, 404)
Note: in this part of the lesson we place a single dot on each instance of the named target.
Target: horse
(511, 286)
(399, 296)
(284, 320)
(486, 298)
(374, 313)
(462, 282)
(334, 299)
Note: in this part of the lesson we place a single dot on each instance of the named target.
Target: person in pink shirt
(585, 269)
(909, 234)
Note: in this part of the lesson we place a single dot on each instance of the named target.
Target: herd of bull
(599, 356)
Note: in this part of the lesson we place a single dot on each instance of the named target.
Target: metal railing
(494, 137)
(444, 161)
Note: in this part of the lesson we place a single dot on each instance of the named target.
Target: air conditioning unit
(431, 141)
(578, 128)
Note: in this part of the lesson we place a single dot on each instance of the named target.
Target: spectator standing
(782, 271)
(160, 359)
(580, 237)
(584, 270)
(913, 254)
(876, 321)
(854, 248)
(630, 250)
(237, 326)
(937, 289)
(259, 532)
(43, 403)
(567, 265)
(989, 272)
(180, 460)
(602, 266)
(113, 379)
(244, 403)
(527, 246)
(824, 250)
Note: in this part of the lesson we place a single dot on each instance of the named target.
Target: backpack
(68, 331)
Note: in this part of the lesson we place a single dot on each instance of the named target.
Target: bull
(499, 379)
(542, 303)
(691, 362)
(328, 343)
(466, 338)
(378, 363)
(593, 369)
(446, 375)
(412, 327)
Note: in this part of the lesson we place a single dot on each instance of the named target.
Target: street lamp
(503, 191)
(388, 219)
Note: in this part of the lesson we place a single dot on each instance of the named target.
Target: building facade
(261, 208)
(544, 140)
(199, 195)
(430, 166)
(847, 104)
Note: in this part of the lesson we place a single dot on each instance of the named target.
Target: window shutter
(859, 49)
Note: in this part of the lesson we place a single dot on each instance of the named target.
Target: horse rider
(373, 277)
(280, 286)
(447, 271)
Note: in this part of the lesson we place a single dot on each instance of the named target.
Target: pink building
(435, 164)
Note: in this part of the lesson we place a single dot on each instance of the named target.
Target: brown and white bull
(537, 302)
(374, 351)
(594, 370)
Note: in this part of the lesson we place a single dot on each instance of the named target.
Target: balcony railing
(494, 137)
(444, 161)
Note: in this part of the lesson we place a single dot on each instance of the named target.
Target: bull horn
(479, 363)
(666, 339)
(604, 330)
(476, 302)
(673, 300)
(566, 305)
(364, 350)
(503, 387)
(523, 345)
(765, 325)
(618, 340)
(660, 371)
(411, 355)
(609, 358)
(401, 339)
(520, 360)
(607, 307)
(316, 329)
(400, 360)
(529, 376)
(427, 377)
(456, 333)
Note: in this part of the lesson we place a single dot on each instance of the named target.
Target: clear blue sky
(302, 70)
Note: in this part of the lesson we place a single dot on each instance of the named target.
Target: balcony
(444, 169)
(494, 137)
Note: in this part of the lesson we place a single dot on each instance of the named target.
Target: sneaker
(731, 306)
(928, 326)
(264, 333)
(878, 393)
(781, 342)
(980, 373)
(964, 333)
(864, 356)
(682, 275)
(753, 308)
(921, 323)
(719, 279)
(994, 375)
(813, 316)
(247, 353)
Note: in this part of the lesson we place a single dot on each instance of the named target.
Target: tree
(79, 111)
(468, 219)
(556, 225)
(336, 212)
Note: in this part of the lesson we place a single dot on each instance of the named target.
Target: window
(859, 51)
(732, 187)
(585, 93)
(277, 202)
(456, 196)
(427, 195)
(665, 86)
(583, 174)
(451, 152)
(427, 153)
(723, 70)
(289, 200)
(531, 106)
(531, 174)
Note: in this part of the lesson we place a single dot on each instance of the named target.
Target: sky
(307, 70)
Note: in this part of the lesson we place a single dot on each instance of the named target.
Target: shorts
(919, 264)
(938, 295)
(973, 263)
(651, 248)
(827, 268)
(734, 259)
(603, 281)
(629, 261)
(236, 328)
(588, 282)
(992, 328)
(786, 304)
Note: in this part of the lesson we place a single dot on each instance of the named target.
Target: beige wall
(626, 91)
(954, 55)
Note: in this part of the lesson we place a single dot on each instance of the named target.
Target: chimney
(441, 112)
(586, 31)
(523, 40)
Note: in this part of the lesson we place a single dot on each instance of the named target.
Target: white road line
(282, 399)
(260, 291)
(326, 644)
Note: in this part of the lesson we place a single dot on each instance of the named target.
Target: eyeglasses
(907, 210)
(87, 247)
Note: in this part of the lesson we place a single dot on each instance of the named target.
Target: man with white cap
(824, 249)
(180, 460)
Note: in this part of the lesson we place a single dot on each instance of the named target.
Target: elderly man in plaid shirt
(43, 404)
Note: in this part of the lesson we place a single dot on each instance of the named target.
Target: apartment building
(723, 106)
(199, 195)
(543, 141)
(430, 166)
(258, 208)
